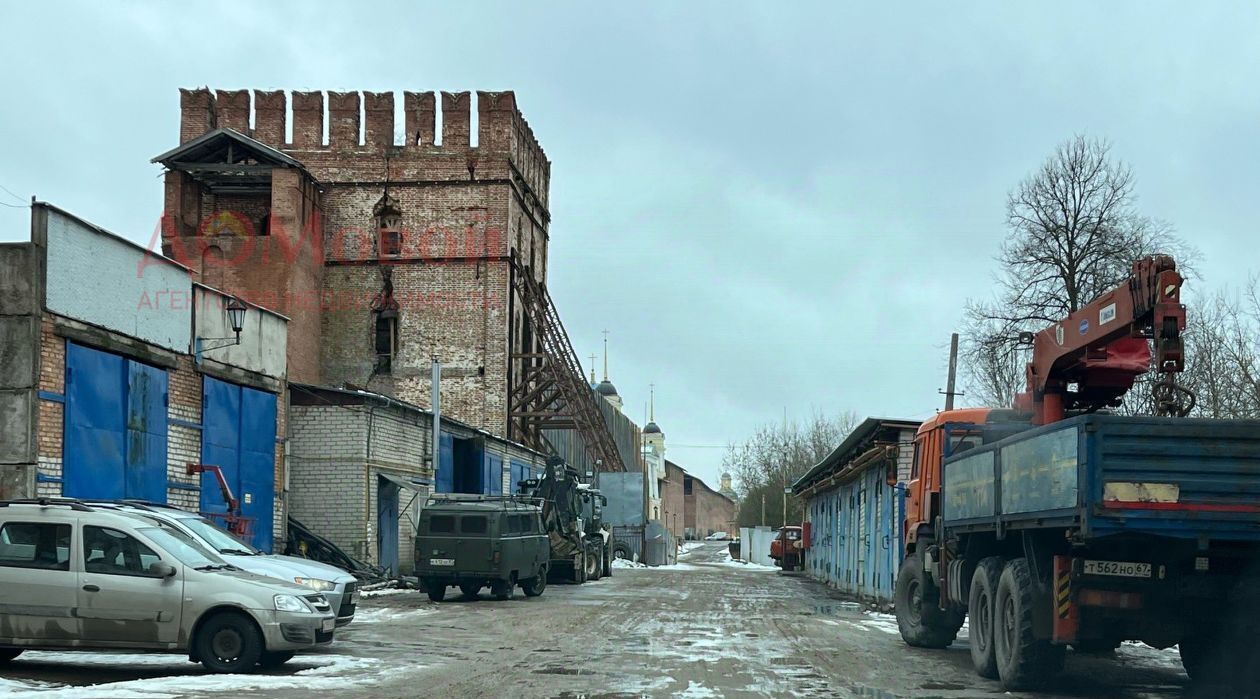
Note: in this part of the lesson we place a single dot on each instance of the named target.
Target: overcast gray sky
(767, 209)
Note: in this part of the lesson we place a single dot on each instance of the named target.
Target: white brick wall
(51, 467)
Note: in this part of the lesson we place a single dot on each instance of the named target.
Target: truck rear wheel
(436, 590)
(981, 612)
(1023, 660)
(532, 587)
(922, 623)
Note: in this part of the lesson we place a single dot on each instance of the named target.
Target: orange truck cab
(785, 549)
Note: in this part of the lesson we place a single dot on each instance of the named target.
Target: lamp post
(236, 319)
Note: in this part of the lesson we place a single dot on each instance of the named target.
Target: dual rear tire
(1004, 646)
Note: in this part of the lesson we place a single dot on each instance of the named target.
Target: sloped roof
(851, 447)
(210, 146)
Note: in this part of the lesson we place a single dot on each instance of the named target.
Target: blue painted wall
(855, 540)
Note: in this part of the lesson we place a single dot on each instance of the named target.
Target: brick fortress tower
(383, 247)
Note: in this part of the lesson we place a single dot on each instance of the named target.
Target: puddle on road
(552, 670)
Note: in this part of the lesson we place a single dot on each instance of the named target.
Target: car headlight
(289, 603)
(316, 584)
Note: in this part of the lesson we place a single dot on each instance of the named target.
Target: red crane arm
(1104, 346)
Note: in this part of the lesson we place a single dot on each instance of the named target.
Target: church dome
(605, 388)
(653, 428)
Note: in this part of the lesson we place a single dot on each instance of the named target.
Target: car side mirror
(161, 569)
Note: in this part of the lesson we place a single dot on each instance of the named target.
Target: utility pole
(763, 509)
(953, 373)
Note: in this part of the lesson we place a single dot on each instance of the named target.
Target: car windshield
(183, 547)
(219, 539)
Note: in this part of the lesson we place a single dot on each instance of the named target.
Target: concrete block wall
(20, 306)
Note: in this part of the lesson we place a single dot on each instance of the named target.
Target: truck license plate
(1121, 569)
(441, 561)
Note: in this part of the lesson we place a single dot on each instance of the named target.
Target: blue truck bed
(1108, 475)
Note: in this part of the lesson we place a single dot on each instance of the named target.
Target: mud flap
(1066, 620)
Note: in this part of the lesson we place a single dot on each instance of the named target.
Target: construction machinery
(581, 544)
(1055, 524)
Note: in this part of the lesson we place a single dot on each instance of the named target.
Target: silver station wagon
(75, 577)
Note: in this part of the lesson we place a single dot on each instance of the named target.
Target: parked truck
(1054, 524)
(581, 545)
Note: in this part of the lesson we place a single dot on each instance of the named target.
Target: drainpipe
(435, 447)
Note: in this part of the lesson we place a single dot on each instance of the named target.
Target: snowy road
(701, 628)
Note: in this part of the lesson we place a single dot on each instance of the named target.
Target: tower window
(388, 226)
(386, 339)
(391, 242)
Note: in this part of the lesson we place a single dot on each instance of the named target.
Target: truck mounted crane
(1055, 524)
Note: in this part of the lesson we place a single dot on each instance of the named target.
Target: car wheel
(275, 658)
(502, 589)
(229, 642)
(534, 586)
(7, 654)
(437, 591)
(470, 590)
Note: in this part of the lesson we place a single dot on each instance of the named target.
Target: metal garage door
(115, 427)
(239, 436)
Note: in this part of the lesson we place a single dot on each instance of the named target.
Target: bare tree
(1074, 234)
(1223, 354)
(775, 456)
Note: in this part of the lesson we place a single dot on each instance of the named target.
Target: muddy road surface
(706, 627)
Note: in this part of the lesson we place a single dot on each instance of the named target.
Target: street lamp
(236, 318)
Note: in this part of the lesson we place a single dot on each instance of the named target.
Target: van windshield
(182, 547)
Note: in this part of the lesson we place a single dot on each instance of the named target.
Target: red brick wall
(673, 511)
(465, 211)
(52, 378)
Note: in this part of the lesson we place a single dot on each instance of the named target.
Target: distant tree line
(774, 457)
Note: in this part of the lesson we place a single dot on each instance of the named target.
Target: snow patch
(689, 546)
(622, 563)
(385, 592)
(883, 622)
(331, 672)
(696, 690)
(375, 616)
(746, 565)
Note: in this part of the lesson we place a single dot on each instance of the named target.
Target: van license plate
(1121, 569)
(441, 561)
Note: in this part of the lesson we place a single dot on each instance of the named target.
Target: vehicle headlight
(316, 584)
(289, 603)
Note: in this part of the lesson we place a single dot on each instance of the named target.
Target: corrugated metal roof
(848, 449)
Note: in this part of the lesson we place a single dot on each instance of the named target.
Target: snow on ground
(746, 565)
(1137, 651)
(377, 615)
(386, 591)
(330, 672)
(689, 546)
(627, 563)
(696, 690)
(883, 622)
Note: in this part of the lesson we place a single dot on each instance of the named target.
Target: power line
(11, 193)
(16, 206)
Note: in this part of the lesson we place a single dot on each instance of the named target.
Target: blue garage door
(446, 464)
(115, 427)
(493, 479)
(239, 436)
